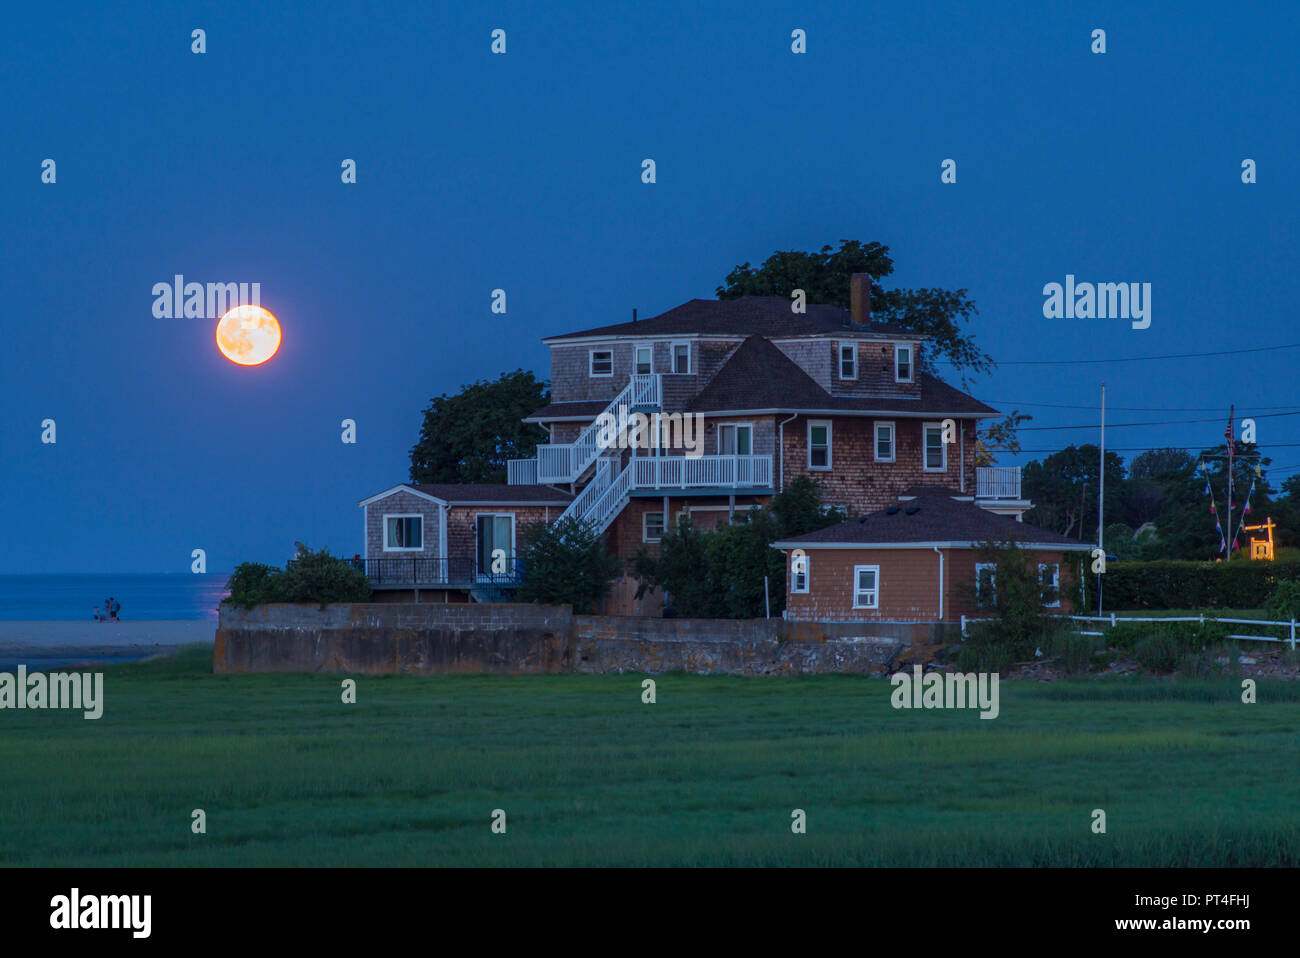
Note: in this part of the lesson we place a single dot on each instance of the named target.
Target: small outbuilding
(918, 561)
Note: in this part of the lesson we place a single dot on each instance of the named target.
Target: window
(936, 450)
(799, 572)
(866, 593)
(819, 445)
(986, 596)
(494, 532)
(403, 533)
(602, 362)
(1049, 581)
(652, 526)
(848, 360)
(681, 357)
(903, 364)
(735, 439)
(643, 359)
(884, 442)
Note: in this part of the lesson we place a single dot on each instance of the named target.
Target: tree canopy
(824, 278)
(469, 436)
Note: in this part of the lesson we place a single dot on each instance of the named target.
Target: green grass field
(588, 775)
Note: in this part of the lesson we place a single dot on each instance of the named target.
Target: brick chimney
(860, 298)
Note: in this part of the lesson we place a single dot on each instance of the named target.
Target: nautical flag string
(1223, 544)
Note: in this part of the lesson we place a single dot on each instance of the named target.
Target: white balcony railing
(685, 472)
(565, 462)
(997, 482)
(521, 472)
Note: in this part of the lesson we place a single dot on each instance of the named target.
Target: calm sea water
(74, 597)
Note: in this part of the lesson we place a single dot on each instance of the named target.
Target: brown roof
(492, 492)
(933, 516)
(584, 408)
(759, 376)
(764, 315)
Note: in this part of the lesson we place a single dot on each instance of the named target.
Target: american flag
(1227, 434)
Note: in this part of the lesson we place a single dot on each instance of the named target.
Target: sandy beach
(51, 644)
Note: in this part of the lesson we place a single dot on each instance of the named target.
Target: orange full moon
(248, 335)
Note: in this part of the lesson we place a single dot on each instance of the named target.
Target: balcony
(436, 572)
(997, 482)
(685, 472)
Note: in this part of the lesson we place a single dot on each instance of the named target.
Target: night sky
(523, 171)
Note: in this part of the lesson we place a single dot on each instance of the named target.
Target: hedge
(1180, 584)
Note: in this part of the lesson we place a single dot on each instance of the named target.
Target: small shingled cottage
(917, 562)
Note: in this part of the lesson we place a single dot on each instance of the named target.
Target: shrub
(1158, 652)
(1179, 584)
(253, 583)
(1205, 664)
(1284, 603)
(311, 577)
(323, 578)
(1192, 636)
(564, 563)
(1073, 649)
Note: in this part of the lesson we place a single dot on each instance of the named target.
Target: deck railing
(997, 482)
(451, 571)
(684, 472)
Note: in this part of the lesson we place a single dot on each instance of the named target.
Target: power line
(1133, 359)
(1155, 422)
(1050, 405)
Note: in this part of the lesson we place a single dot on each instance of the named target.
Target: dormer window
(903, 364)
(602, 362)
(644, 359)
(848, 360)
(681, 357)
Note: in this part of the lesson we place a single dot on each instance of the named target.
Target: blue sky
(522, 171)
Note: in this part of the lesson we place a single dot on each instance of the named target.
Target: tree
(798, 509)
(824, 277)
(681, 568)
(469, 436)
(1186, 524)
(1155, 463)
(564, 562)
(719, 574)
(999, 436)
(1064, 489)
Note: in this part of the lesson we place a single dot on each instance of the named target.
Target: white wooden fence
(1114, 620)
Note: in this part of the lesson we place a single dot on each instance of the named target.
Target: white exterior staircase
(566, 462)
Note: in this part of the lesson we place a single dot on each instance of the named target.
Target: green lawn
(589, 775)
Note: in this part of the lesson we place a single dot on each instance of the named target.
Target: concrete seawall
(510, 638)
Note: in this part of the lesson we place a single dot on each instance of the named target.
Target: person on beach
(97, 616)
(117, 607)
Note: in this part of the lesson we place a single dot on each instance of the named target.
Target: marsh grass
(588, 775)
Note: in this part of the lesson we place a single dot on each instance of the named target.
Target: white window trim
(839, 358)
(403, 515)
(925, 445)
(911, 362)
(672, 356)
(636, 348)
(993, 584)
(893, 440)
(829, 445)
(807, 576)
(1056, 582)
(876, 592)
(512, 555)
(738, 426)
(591, 363)
(645, 526)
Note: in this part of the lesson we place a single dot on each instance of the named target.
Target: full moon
(248, 335)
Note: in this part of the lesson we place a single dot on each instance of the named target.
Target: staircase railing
(565, 462)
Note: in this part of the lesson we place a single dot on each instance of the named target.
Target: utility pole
(1101, 492)
(1227, 529)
